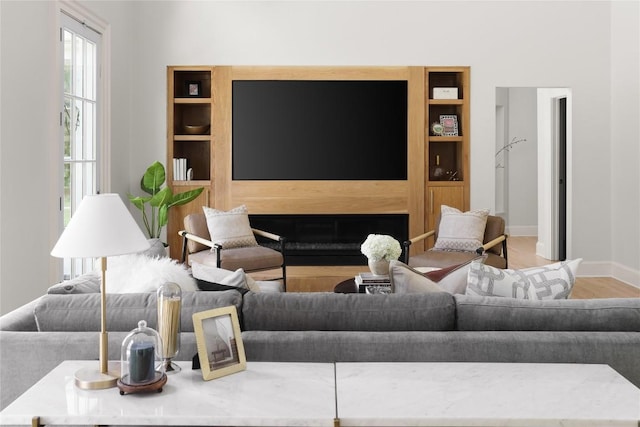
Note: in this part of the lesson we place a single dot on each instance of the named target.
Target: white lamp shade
(101, 227)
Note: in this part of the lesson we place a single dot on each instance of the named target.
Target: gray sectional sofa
(325, 327)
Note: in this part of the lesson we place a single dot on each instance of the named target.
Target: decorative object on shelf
(169, 300)
(140, 366)
(437, 171)
(101, 227)
(437, 129)
(193, 88)
(196, 129)
(379, 250)
(449, 123)
(452, 176)
(160, 199)
(507, 147)
(445, 93)
(220, 347)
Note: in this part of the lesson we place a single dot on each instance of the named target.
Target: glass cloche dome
(141, 367)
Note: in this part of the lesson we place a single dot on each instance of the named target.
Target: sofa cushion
(82, 312)
(506, 314)
(461, 231)
(553, 281)
(348, 312)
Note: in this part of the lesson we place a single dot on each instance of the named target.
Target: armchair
(197, 246)
(494, 246)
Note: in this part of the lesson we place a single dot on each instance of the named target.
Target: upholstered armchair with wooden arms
(494, 246)
(198, 247)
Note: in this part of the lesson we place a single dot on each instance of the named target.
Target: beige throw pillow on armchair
(461, 231)
(230, 229)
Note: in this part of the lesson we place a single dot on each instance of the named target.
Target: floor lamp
(101, 227)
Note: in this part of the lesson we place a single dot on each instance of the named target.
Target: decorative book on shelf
(180, 170)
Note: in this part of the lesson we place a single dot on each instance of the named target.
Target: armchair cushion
(461, 231)
(250, 258)
(230, 229)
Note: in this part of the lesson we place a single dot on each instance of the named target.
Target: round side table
(346, 287)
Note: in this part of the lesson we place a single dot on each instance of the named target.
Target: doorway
(533, 165)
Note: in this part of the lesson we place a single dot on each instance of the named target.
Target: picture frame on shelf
(449, 123)
(219, 342)
(193, 88)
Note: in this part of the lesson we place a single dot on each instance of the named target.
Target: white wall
(518, 44)
(28, 129)
(29, 109)
(523, 162)
(625, 140)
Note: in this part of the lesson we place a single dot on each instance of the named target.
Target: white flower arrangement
(381, 246)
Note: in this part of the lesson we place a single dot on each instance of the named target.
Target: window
(80, 123)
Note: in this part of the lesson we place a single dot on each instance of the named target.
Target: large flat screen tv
(319, 130)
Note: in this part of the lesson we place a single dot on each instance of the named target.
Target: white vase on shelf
(379, 267)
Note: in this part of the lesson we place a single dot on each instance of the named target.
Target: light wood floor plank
(522, 254)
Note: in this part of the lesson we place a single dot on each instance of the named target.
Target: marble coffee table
(272, 394)
(348, 395)
(484, 394)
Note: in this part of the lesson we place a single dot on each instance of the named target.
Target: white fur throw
(138, 273)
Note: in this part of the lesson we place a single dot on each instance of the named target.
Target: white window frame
(97, 24)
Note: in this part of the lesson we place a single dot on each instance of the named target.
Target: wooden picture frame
(219, 342)
(193, 88)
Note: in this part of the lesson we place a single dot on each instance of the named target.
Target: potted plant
(159, 199)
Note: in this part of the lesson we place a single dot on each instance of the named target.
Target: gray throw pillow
(88, 283)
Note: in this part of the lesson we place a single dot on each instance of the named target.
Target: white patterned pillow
(461, 231)
(553, 281)
(230, 229)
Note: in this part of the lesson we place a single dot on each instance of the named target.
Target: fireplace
(331, 239)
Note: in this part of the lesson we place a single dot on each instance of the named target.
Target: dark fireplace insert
(329, 239)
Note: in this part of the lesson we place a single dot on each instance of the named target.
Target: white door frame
(547, 245)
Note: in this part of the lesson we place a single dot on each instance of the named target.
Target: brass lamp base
(93, 379)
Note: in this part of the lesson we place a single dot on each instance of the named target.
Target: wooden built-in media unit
(437, 170)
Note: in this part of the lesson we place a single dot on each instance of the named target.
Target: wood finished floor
(521, 255)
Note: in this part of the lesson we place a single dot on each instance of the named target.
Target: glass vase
(169, 307)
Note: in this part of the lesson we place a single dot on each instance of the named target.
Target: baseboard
(626, 274)
(610, 269)
(522, 230)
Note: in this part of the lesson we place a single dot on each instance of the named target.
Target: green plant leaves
(159, 199)
(185, 197)
(153, 178)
